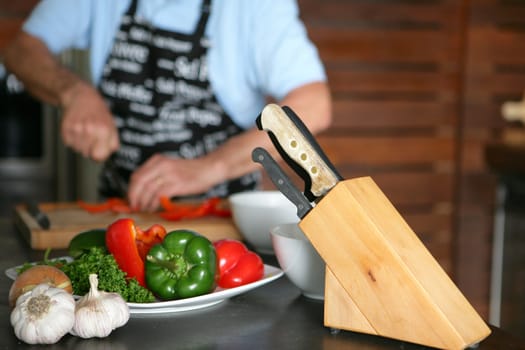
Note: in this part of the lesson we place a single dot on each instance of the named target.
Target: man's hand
(164, 176)
(87, 125)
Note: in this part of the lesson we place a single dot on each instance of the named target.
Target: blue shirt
(258, 48)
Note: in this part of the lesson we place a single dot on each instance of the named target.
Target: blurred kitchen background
(33, 160)
(418, 87)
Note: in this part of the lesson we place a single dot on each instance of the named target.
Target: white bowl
(299, 260)
(255, 213)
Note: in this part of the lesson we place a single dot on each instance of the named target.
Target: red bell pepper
(147, 239)
(237, 264)
(130, 245)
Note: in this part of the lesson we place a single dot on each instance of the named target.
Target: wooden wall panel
(494, 73)
(360, 115)
(380, 45)
(398, 83)
(387, 150)
(393, 67)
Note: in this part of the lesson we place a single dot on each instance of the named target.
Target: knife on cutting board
(299, 149)
(40, 217)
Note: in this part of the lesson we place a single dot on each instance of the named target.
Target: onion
(36, 275)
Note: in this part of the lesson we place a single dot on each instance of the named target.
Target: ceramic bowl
(255, 213)
(299, 260)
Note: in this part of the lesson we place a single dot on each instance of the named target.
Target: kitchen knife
(299, 149)
(114, 178)
(282, 181)
(41, 218)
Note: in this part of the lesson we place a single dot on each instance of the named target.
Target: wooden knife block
(380, 278)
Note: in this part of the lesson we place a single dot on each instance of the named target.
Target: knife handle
(40, 217)
(115, 180)
(299, 149)
(282, 181)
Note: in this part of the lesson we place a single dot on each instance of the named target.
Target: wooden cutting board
(68, 219)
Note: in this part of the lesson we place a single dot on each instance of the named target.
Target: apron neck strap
(132, 8)
(205, 14)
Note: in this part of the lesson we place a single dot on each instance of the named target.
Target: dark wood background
(417, 88)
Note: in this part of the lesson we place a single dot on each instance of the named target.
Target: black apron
(157, 87)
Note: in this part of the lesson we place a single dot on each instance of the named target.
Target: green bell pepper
(183, 265)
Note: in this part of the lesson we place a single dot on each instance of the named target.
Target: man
(177, 86)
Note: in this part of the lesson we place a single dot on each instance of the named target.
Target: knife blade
(282, 181)
(41, 218)
(299, 149)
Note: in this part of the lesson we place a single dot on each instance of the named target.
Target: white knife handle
(292, 141)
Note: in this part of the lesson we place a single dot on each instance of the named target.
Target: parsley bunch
(110, 277)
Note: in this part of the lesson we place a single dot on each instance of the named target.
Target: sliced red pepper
(216, 210)
(93, 208)
(129, 245)
(204, 208)
(119, 205)
(114, 204)
(173, 211)
(237, 264)
(225, 213)
(172, 215)
(167, 204)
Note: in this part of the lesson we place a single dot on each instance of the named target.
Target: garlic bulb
(98, 313)
(43, 315)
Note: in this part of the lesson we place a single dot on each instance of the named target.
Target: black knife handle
(40, 217)
(282, 181)
(114, 179)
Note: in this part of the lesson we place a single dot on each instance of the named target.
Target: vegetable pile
(120, 264)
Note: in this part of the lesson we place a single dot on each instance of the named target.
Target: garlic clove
(98, 313)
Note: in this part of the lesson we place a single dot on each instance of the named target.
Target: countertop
(274, 316)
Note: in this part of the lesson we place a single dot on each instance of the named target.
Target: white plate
(12, 271)
(172, 306)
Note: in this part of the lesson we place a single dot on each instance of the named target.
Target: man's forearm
(312, 103)
(42, 74)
